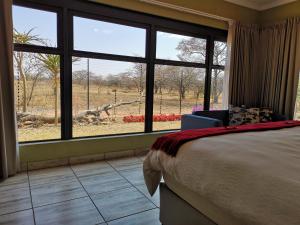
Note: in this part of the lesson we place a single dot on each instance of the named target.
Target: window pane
(217, 88)
(180, 48)
(97, 36)
(32, 26)
(177, 91)
(37, 88)
(108, 97)
(220, 53)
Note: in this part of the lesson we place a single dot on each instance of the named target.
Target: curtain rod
(186, 10)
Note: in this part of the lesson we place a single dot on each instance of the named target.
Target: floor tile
(155, 198)
(125, 163)
(120, 203)
(103, 183)
(134, 176)
(92, 169)
(75, 212)
(19, 181)
(150, 217)
(14, 199)
(18, 218)
(49, 193)
(50, 175)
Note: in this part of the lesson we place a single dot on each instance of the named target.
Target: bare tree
(98, 81)
(138, 77)
(194, 50)
(79, 77)
(24, 62)
(51, 63)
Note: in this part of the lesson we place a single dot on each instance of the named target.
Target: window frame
(67, 9)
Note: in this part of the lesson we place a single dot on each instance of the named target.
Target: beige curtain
(279, 65)
(225, 96)
(265, 64)
(244, 84)
(8, 147)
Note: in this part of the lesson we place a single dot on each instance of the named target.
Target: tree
(79, 77)
(194, 50)
(137, 75)
(51, 63)
(24, 68)
(97, 80)
(220, 51)
(217, 85)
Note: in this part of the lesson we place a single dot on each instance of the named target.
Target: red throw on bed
(171, 143)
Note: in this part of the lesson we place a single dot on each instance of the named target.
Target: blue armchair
(205, 119)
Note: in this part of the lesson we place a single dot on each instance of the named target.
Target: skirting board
(35, 165)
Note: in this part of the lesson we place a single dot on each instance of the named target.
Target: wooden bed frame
(176, 211)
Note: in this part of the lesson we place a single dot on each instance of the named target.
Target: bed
(249, 178)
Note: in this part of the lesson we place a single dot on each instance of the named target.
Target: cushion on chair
(237, 115)
(252, 116)
(242, 115)
(265, 115)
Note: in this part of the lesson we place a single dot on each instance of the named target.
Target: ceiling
(260, 4)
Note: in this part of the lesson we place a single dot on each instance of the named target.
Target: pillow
(265, 115)
(237, 115)
(252, 116)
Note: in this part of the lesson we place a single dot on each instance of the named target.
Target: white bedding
(252, 177)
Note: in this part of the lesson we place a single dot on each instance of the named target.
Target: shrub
(156, 118)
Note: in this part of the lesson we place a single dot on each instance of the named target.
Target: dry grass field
(42, 103)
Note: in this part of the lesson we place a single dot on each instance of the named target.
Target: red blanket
(171, 143)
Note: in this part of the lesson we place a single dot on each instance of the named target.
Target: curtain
(225, 96)
(280, 65)
(244, 83)
(265, 65)
(8, 146)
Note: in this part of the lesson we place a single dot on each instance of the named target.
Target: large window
(85, 70)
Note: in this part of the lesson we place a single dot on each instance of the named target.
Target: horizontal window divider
(109, 135)
(168, 130)
(37, 5)
(181, 32)
(179, 63)
(107, 19)
(218, 67)
(39, 141)
(37, 49)
(95, 55)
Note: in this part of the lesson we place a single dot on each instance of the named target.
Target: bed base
(176, 211)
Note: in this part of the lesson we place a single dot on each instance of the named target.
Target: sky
(97, 36)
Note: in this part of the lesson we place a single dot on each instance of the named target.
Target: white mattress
(198, 202)
(248, 178)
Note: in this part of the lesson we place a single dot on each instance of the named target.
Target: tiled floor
(108, 192)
